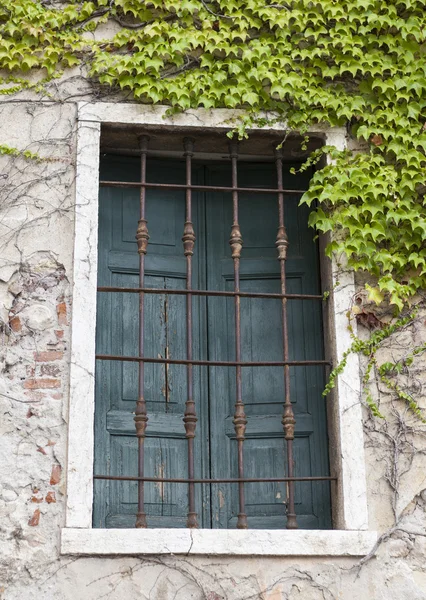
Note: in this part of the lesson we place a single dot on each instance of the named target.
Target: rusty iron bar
(213, 363)
(126, 290)
(197, 188)
(141, 417)
(239, 420)
(228, 480)
(190, 416)
(288, 419)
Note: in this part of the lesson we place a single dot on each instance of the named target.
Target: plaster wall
(36, 242)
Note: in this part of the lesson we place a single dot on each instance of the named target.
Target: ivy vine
(358, 63)
(386, 372)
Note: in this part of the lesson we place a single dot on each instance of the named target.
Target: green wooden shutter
(117, 325)
(165, 336)
(264, 448)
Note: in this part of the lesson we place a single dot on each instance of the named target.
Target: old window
(222, 382)
(84, 532)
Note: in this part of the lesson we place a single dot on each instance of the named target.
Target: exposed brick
(30, 371)
(61, 310)
(51, 370)
(57, 396)
(50, 497)
(51, 443)
(41, 450)
(59, 334)
(37, 498)
(35, 519)
(41, 384)
(48, 355)
(15, 324)
(34, 395)
(55, 476)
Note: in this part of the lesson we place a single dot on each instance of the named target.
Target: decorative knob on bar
(188, 230)
(142, 236)
(240, 421)
(141, 420)
(141, 417)
(188, 238)
(282, 243)
(288, 422)
(236, 241)
(190, 420)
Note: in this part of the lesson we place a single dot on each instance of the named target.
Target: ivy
(10, 151)
(359, 64)
(386, 371)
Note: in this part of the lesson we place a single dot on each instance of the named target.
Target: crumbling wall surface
(36, 234)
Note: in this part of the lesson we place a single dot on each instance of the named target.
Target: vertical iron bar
(240, 421)
(190, 417)
(288, 419)
(141, 418)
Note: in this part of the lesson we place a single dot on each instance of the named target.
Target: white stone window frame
(350, 537)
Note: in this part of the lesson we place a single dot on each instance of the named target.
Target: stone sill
(103, 542)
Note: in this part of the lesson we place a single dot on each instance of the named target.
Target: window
(205, 421)
(349, 512)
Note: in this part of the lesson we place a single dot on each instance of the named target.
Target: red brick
(61, 310)
(50, 370)
(35, 519)
(59, 334)
(48, 355)
(50, 443)
(58, 396)
(55, 476)
(41, 450)
(50, 497)
(41, 384)
(37, 499)
(15, 324)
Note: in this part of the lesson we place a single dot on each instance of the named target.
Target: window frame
(350, 536)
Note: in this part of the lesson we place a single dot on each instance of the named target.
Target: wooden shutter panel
(264, 448)
(117, 333)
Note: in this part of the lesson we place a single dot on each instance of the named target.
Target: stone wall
(36, 236)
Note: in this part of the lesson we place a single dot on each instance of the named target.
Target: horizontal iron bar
(197, 188)
(213, 363)
(211, 293)
(229, 480)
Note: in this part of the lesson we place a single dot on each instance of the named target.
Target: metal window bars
(190, 414)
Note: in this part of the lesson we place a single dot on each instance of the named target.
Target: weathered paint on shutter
(165, 336)
(215, 450)
(264, 448)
